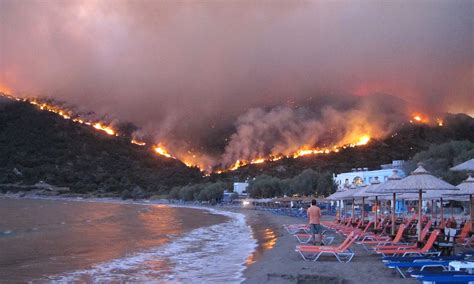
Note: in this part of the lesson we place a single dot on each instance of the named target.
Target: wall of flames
(192, 160)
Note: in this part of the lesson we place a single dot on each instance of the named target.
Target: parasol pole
(420, 200)
(338, 209)
(376, 216)
(363, 210)
(452, 209)
(343, 208)
(432, 209)
(393, 213)
(472, 207)
(353, 211)
(472, 212)
(441, 223)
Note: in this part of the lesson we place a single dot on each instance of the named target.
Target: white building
(360, 176)
(241, 187)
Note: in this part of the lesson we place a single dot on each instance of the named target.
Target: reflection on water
(52, 237)
(267, 239)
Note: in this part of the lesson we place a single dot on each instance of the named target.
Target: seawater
(66, 241)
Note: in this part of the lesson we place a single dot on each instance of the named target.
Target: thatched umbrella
(466, 189)
(366, 192)
(349, 195)
(336, 197)
(467, 166)
(432, 195)
(386, 188)
(421, 180)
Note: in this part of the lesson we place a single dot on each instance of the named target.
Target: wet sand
(279, 263)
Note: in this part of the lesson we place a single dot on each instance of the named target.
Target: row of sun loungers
(407, 259)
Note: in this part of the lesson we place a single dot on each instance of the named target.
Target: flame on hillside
(161, 150)
(304, 151)
(106, 129)
(192, 159)
(424, 119)
(138, 142)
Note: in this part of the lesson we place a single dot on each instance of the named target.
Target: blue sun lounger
(447, 279)
(388, 259)
(421, 265)
(417, 274)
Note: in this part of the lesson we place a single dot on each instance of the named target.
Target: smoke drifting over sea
(218, 81)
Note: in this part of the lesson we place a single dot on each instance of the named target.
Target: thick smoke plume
(241, 78)
(285, 130)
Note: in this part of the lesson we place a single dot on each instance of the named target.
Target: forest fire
(419, 118)
(159, 149)
(424, 119)
(354, 139)
(104, 128)
(138, 142)
(304, 151)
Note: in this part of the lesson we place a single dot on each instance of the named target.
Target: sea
(111, 242)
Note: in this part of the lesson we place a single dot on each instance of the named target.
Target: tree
(440, 157)
(265, 186)
(305, 183)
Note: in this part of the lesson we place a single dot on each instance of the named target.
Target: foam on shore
(214, 254)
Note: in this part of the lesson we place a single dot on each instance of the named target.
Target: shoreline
(274, 259)
(231, 214)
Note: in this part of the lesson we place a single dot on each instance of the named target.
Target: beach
(139, 253)
(281, 264)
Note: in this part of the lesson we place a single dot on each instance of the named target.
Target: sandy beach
(281, 264)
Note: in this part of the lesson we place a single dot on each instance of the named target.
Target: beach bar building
(362, 176)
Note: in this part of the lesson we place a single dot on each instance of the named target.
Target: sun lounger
(421, 265)
(422, 258)
(396, 244)
(307, 238)
(447, 279)
(425, 250)
(369, 241)
(296, 228)
(417, 274)
(343, 253)
(464, 235)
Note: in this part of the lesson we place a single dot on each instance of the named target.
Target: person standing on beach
(314, 220)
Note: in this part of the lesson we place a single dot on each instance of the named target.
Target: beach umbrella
(365, 192)
(387, 188)
(421, 180)
(348, 194)
(441, 195)
(336, 197)
(467, 166)
(466, 188)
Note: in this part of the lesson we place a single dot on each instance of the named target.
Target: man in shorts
(314, 220)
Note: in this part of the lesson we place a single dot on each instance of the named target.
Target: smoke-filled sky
(234, 73)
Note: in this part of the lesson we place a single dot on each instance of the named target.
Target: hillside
(40, 146)
(401, 145)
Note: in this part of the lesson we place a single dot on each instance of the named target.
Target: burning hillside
(263, 136)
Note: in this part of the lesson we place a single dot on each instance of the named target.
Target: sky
(224, 78)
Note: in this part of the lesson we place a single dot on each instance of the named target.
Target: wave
(214, 254)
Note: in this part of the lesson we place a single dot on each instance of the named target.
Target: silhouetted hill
(37, 145)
